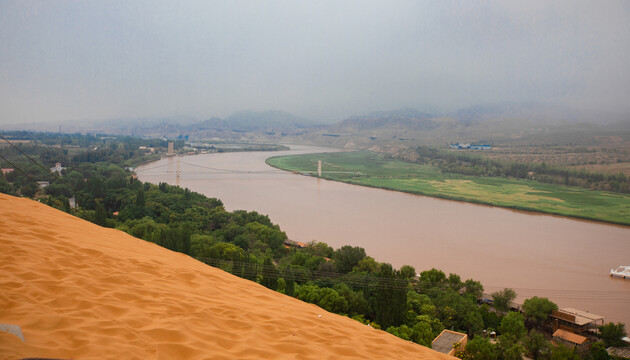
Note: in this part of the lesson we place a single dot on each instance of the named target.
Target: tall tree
(347, 257)
(479, 348)
(536, 345)
(612, 334)
(538, 309)
(513, 326)
(391, 297)
(100, 215)
(141, 198)
(502, 299)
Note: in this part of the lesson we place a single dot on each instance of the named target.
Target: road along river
(563, 259)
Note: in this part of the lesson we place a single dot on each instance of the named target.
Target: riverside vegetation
(346, 280)
(465, 177)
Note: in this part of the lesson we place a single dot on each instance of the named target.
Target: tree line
(475, 165)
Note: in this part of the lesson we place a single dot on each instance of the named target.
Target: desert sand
(80, 291)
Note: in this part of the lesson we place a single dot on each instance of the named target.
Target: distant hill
(524, 122)
(232, 126)
(266, 120)
(404, 118)
(532, 111)
(527, 123)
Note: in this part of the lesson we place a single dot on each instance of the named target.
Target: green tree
(141, 198)
(473, 288)
(433, 277)
(270, 274)
(320, 249)
(491, 320)
(282, 286)
(612, 334)
(454, 281)
(480, 348)
(512, 326)
(562, 352)
(100, 215)
(30, 189)
(347, 257)
(326, 298)
(509, 349)
(538, 309)
(391, 297)
(598, 351)
(368, 265)
(423, 333)
(200, 245)
(407, 272)
(501, 300)
(357, 304)
(403, 331)
(5, 186)
(536, 346)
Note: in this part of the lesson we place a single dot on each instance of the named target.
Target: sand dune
(84, 292)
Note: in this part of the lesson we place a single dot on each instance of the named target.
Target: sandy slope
(81, 291)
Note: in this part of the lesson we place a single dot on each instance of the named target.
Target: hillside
(503, 123)
(81, 291)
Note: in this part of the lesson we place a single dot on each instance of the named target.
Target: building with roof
(448, 341)
(7, 171)
(576, 321)
(293, 243)
(620, 352)
(469, 146)
(58, 168)
(570, 339)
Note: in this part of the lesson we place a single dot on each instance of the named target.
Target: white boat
(621, 271)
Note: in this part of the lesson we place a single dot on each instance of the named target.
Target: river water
(563, 259)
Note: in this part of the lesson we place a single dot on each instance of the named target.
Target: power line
(246, 269)
(18, 169)
(52, 173)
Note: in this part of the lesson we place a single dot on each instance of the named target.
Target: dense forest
(465, 163)
(415, 307)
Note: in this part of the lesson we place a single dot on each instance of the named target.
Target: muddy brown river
(563, 259)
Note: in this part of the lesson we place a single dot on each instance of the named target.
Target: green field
(373, 169)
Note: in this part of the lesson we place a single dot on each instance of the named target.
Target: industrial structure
(468, 146)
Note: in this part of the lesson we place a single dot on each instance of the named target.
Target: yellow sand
(84, 292)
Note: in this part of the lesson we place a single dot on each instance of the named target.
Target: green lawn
(373, 169)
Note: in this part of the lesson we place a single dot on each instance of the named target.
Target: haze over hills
(527, 122)
(506, 122)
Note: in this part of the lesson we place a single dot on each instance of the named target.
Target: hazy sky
(66, 60)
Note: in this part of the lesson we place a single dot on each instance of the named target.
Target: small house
(570, 339)
(448, 341)
(58, 168)
(576, 321)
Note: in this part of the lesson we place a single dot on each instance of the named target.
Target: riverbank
(374, 170)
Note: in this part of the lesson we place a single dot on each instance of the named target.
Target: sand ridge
(84, 292)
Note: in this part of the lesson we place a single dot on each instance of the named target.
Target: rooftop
(577, 317)
(570, 337)
(444, 342)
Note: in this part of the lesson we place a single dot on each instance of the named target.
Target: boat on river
(621, 271)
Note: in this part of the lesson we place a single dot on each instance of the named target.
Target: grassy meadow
(373, 169)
